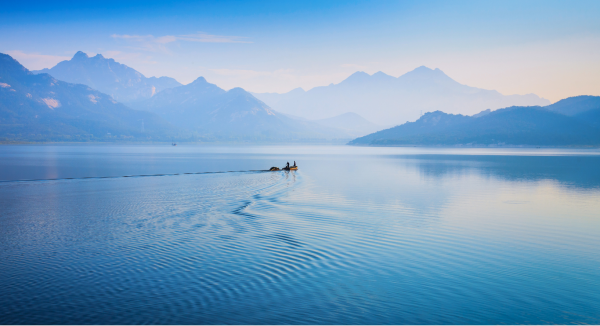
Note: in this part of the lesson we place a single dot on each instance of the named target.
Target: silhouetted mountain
(574, 105)
(511, 126)
(583, 108)
(123, 83)
(482, 113)
(590, 117)
(209, 111)
(41, 108)
(385, 100)
(183, 101)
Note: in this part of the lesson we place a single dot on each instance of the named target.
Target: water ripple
(286, 248)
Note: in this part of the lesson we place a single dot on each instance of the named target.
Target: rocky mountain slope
(123, 83)
(42, 108)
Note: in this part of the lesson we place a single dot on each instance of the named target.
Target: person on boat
(288, 165)
(294, 163)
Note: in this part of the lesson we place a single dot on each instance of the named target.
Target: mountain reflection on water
(574, 171)
(355, 236)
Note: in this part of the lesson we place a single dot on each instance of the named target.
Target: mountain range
(209, 111)
(572, 121)
(123, 83)
(386, 100)
(197, 111)
(42, 108)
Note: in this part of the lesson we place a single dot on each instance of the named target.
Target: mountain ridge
(576, 104)
(515, 126)
(38, 107)
(384, 99)
(120, 81)
(209, 111)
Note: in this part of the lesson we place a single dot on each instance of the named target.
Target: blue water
(355, 236)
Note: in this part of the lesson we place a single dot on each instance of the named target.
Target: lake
(120, 234)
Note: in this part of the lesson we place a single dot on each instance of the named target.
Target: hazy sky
(550, 48)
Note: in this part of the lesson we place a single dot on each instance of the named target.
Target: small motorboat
(291, 168)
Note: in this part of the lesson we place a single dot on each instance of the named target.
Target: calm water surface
(355, 236)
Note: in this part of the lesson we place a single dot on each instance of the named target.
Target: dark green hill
(532, 126)
(41, 108)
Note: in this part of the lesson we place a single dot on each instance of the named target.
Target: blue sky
(550, 48)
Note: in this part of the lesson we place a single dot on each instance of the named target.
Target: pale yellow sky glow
(549, 49)
(553, 70)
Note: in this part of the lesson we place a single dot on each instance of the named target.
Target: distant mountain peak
(380, 76)
(363, 77)
(80, 55)
(9, 64)
(424, 69)
(439, 72)
(356, 77)
(199, 80)
(237, 91)
(123, 83)
(297, 90)
(425, 74)
(379, 73)
(359, 73)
